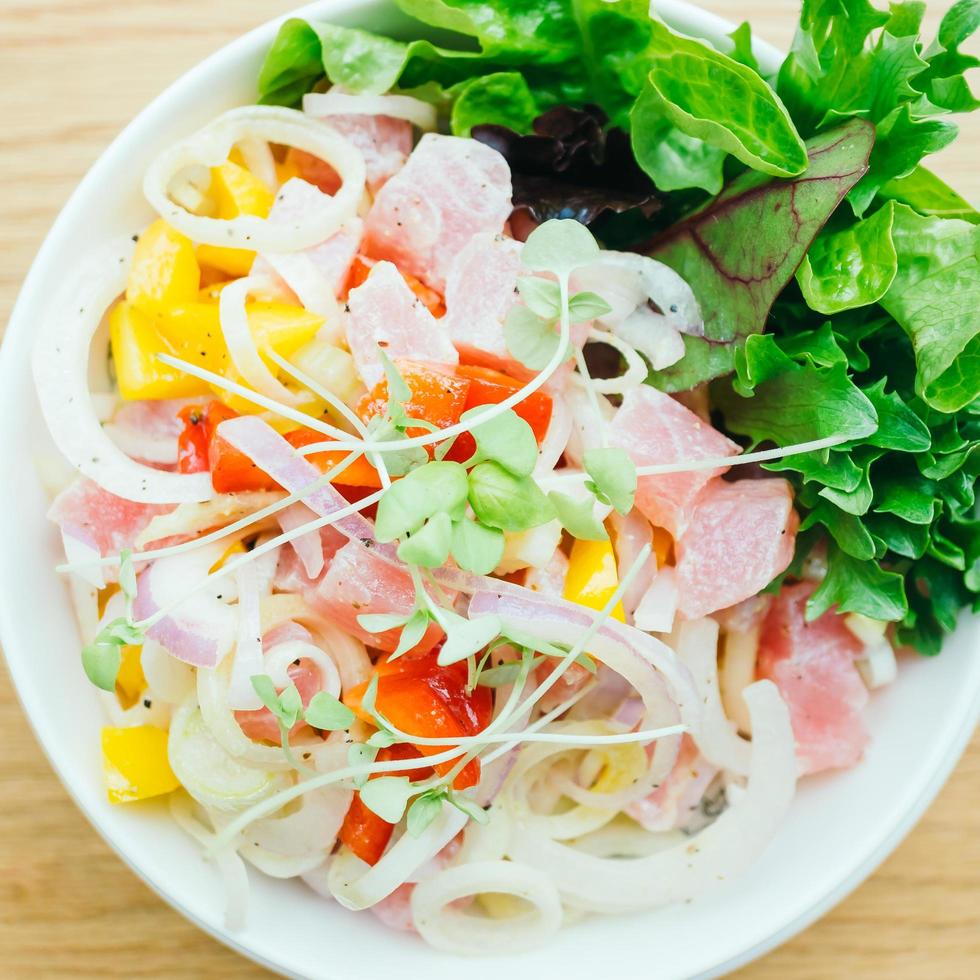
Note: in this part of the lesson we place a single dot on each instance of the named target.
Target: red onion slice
(308, 547)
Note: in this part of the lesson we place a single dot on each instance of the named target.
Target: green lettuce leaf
(852, 267)
(935, 298)
(712, 97)
(740, 251)
(501, 98)
(924, 192)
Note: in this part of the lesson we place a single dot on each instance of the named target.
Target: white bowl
(839, 829)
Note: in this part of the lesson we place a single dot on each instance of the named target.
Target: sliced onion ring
(457, 932)
(210, 146)
(60, 363)
(241, 343)
(721, 851)
(334, 103)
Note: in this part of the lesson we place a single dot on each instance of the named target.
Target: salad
(504, 468)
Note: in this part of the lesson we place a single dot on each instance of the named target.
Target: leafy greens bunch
(837, 276)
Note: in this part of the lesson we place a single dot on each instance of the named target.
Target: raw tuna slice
(384, 142)
(655, 429)
(480, 291)
(812, 664)
(450, 190)
(384, 312)
(740, 537)
(316, 275)
(100, 520)
(359, 582)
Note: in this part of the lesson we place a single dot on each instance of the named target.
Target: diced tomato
(438, 396)
(433, 301)
(419, 697)
(200, 448)
(363, 831)
(489, 387)
(192, 443)
(312, 169)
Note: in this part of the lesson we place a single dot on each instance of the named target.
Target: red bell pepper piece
(489, 387)
(438, 396)
(363, 831)
(421, 698)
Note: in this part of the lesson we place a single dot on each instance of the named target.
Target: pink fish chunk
(449, 190)
(359, 582)
(656, 429)
(384, 312)
(480, 291)
(812, 664)
(318, 274)
(102, 521)
(384, 142)
(740, 537)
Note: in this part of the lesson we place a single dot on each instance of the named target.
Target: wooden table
(72, 74)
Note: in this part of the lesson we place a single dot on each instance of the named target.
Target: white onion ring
(556, 438)
(167, 678)
(278, 659)
(210, 146)
(190, 520)
(636, 368)
(248, 660)
(357, 885)
(60, 363)
(241, 343)
(259, 161)
(456, 932)
(333, 103)
(717, 739)
(720, 851)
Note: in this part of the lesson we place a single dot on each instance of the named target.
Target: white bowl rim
(960, 725)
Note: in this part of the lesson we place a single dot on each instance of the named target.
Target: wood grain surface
(72, 74)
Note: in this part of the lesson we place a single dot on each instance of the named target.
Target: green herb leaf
(428, 547)
(561, 246)
(507, 502)
(541, 296)
(470, 807)
(381, 739)
(476, 548)
(127, 574)
(381, 622)
(613, 477)
(360, 754)
(587, 306)
(423, 811)
(465, 637)
(290, 706)
(742, 52)
(437, 487)
(531, 339)
(711, 97)
(577, 516)
(505, 439)
(387, 796)
(412, 634)
(370, 695)
(924, 192)
(100, 662)
(327, 713)
(122, 631)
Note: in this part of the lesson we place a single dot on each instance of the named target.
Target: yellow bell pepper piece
(130, 682)
(164, 271)
(236, 191)
(135, 763)
(592, 577)
(135, 344)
